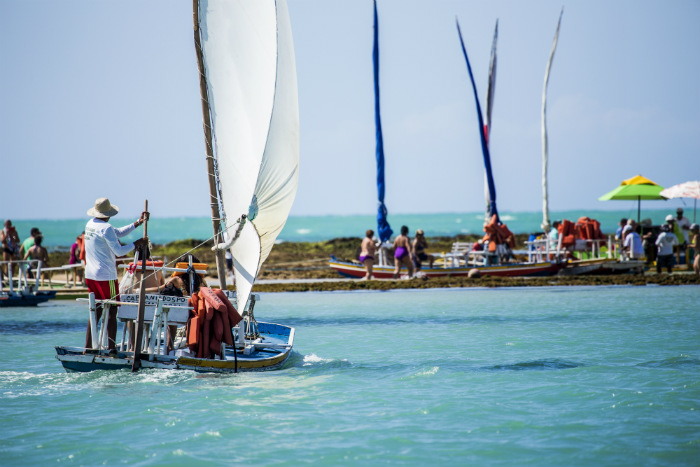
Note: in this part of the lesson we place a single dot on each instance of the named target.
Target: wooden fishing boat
(354, 269)
(248, 88)
(259, 345)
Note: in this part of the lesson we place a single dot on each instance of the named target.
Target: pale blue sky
(101, 98)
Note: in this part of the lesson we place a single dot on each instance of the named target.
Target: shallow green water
(549, 376)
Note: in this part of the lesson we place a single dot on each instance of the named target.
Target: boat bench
(175, 311)
(457, 254)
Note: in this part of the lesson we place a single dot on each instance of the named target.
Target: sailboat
(457, 262)
(249, 101)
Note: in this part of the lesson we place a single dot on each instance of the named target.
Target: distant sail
(484, 145)
(252, 87)
(490, 93)
(383, 228)
(546, 226)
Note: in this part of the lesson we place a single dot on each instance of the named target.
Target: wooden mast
(138, 338)
(213, 192)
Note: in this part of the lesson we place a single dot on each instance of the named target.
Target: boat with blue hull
(19, 292)
(28, 298)
(248, 90)
(258, 345)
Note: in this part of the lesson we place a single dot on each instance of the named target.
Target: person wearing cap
(664, 244)
(632, 243)
(102, 248)
(419, 254)
(684, 224)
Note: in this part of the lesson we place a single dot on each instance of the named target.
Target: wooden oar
(142, 302)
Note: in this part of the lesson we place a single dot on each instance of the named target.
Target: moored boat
(354, 269)
(19, 292)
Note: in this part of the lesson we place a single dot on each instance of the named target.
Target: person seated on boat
(154, 279)
(419, 246)
(402, 253)
(10, 246)
(179, 283)
(102, 248)
(665, 243)
(38, 252)
(367, 251)
(633, 243)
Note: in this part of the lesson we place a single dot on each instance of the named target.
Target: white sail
(545, 196)
(252, 87)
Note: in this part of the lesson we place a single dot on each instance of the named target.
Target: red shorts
(104, 290)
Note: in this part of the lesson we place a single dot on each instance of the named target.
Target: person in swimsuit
(402, 253)
(40, 253)
(10, 245)
(419, 246)
(367, 254)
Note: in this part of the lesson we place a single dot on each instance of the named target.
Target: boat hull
(270, 354)
(16, 299)
(356, 270)
(602, 266)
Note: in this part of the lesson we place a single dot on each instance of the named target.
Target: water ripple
(553, 364)
(40, 327)
(673, 362)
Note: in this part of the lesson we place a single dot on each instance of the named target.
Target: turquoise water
(62, 233)
(602, 376)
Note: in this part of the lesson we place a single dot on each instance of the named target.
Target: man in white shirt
(102, 248)
(665, 242)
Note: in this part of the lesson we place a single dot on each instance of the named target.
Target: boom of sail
(251, 88)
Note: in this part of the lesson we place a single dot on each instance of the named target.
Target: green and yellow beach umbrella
(635, 188)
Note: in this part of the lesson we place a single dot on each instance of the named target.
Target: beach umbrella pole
(639, 208)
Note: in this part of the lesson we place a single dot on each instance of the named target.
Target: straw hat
(103, 208)
(419, 232)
